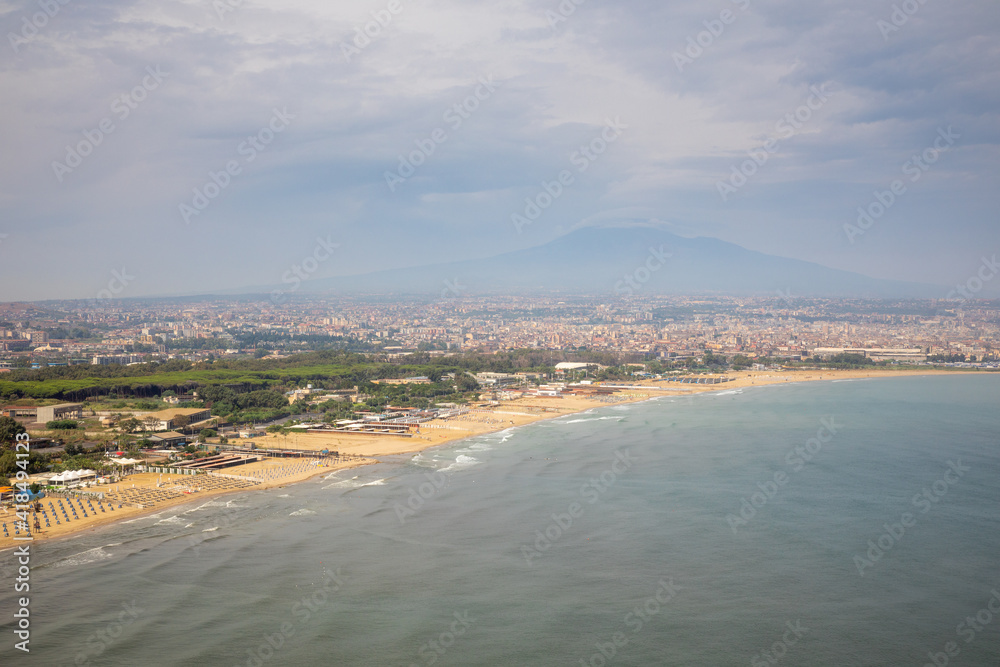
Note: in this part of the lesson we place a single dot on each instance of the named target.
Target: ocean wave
(84, 557)
(210, 503)
(593, 419)
(461, 463)
(420, 460)
(477, 447)
(285, 495)
(728, 392)
(351, 483)
(302, 512)
(170, 519)
(210, 530)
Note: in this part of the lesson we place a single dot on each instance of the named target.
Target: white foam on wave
(210, 503)
(461, 463)
(210, 530)
(85, 557)
(422, 461)
(285, 495)
(351, 483)
(728, 392)
(475, 447)
(593, 419)
(377, 482)
(302, 512)
(143, 518)
(170, 519)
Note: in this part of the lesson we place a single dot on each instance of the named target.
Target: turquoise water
(613, 537)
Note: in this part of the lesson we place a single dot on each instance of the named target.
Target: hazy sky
(115, 113)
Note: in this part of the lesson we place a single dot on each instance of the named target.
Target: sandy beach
(145, 493)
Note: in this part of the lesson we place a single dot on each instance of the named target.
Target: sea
(843, 523)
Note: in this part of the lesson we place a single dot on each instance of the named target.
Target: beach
(146, 493)
(722, 516)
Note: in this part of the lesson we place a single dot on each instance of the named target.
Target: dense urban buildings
(653, 327)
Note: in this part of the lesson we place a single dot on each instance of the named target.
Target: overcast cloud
(537, 84)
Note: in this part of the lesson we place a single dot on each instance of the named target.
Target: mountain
(627, 260)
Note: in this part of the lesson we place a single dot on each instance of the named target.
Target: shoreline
(498, 418)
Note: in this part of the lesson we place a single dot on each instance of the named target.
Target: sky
(193, 146)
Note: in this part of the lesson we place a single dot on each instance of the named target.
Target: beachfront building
(168, 439)
(167, 420)
(62, 411)
(21, 413)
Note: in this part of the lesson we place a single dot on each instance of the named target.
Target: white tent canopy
(71, 476)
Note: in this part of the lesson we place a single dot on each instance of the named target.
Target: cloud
(360, 104)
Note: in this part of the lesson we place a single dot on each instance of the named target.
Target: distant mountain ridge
(627, 261)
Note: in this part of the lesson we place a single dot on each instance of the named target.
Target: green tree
(9, 430)
(62, 424)
(465, 382)
(8, 463)
(130, 425)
